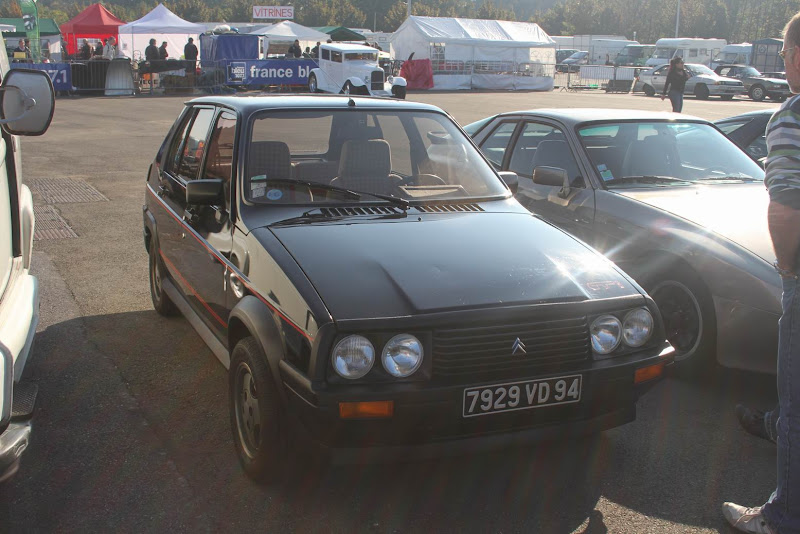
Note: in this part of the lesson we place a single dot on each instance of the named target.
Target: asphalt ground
(131, 430)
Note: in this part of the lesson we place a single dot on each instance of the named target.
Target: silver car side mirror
(27, 102)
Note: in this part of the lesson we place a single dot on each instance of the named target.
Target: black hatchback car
(372, 285)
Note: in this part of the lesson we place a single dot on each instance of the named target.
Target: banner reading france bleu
(269, 71)
(59, 73)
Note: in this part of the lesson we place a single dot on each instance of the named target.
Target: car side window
(219, 156)
(326, 54)
(173, 157)
(542, 145)
(758, 148)
(194, 146)
(495, 145)
(336, 57)
(731, 126)
(662, 71)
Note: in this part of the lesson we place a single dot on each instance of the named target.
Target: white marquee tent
(479, 54)
(286, 32)
(162, 25)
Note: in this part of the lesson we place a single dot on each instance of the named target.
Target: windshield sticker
(274, 194)
(258, 186)
(605, 173)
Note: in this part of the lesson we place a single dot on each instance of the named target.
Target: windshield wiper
(397, 201)
(732, 177)
(645, 179)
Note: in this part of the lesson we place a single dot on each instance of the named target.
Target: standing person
(315, 51)
(162, 51)
(781, 513)
(151, 52)
(110, 48)
(190, 51)
(22, 49)
(295, 50)
(86, 50)
(98, 48)
(676, 83)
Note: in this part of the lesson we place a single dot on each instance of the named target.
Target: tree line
(647, 20)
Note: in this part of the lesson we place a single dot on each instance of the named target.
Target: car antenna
(351, 103)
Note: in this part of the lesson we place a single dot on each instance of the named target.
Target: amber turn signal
(366, 410)
(648, 373)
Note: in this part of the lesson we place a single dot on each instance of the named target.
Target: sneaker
(752, 421)
(746, 519)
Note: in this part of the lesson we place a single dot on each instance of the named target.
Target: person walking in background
(190, 51)
(162, 51)
(781, 513)
(676, 83)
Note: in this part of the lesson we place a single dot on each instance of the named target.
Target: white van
(733, 54)
(692, 50)
(603, 51)
(26, 103)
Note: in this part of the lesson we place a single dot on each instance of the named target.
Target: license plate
(485, 400)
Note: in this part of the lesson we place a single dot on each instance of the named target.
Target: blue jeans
(676, 97)
(782, 510)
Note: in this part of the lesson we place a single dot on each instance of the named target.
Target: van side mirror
(553, 176)
(204, 192)
(511, 180)
(27, 102)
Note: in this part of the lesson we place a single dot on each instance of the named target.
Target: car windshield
(665, 154)
(335, 156)
(699, 70)
(361, 56)
(664, 53)
(579, 55)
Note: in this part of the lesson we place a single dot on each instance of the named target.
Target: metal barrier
(606, 78)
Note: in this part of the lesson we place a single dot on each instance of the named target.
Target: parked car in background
(365, 291)
(748, 131)
(573, 63)
(756, 84)
(353, 69)
(703, 83)
(26, 107)
(733, 54)
(564, 53)
(670, 200)
(781, 75)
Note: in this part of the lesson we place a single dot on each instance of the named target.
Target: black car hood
(390, 268)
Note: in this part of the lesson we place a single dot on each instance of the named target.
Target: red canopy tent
(94, 22)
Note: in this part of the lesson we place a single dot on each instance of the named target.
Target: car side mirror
(553, 176)
(204, 192)
(27, 102)
(511, 180)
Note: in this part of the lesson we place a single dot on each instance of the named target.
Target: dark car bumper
(428, 420)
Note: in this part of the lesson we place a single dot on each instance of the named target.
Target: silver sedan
(703, 83)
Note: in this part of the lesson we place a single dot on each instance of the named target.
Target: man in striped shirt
(781, 513)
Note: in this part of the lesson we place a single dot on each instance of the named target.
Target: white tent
(286, 32)
(479, 54)
(162, 25)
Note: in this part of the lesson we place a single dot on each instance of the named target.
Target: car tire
(777, 98)
(701, 92)
(347, 88)
(649, 91)
(257, 416)
(726, 97)
(161, 302)
(399, 92)
(312, 84)
(757, 93)
(687, 311)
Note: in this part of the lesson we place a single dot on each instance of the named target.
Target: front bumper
(722, 90)
(427, 421)
(13, 443)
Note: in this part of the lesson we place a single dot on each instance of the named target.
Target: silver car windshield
(346, 156)
(665, 154)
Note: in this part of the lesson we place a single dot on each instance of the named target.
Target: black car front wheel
(256, 414)
(161, 302)
(701, 92)
(688, 314)
(649, 91)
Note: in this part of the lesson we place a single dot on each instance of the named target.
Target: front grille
(377, 80)
(459, 352)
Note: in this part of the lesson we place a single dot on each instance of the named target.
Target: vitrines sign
(273, 12)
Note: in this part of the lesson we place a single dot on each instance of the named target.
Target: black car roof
(574, 116)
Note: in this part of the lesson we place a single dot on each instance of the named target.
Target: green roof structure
(340, 33)
(46, 27)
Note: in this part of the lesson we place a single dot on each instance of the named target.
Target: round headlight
(353, 357)
(606, 334)
(637, 327)
(402, 355)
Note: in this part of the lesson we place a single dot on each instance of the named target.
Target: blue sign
(269, 71)
(59, 73)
